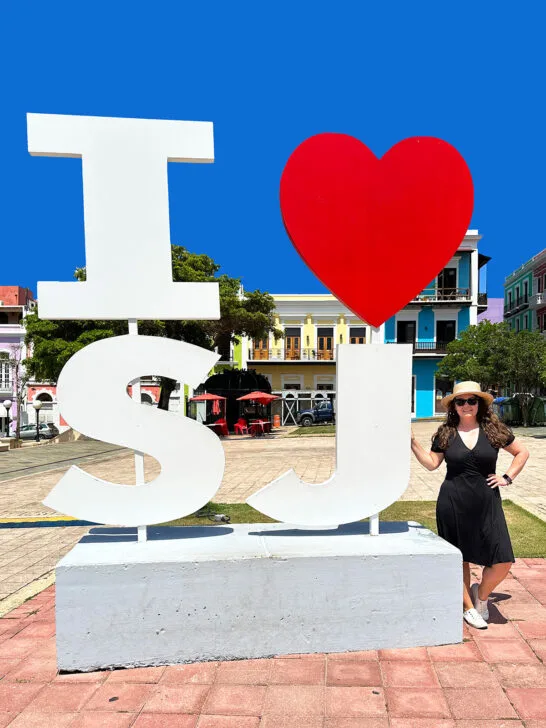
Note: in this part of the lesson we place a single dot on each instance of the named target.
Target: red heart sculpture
(375, 231)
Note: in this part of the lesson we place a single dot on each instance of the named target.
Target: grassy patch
(528, 533)
(314, 430)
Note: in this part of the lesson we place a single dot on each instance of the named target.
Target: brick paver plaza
(494, 678)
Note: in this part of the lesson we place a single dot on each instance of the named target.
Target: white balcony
(536, 300)
(15, 330)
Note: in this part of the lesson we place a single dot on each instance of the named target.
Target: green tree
(250, 313)
(497, 357)
(526, 364)
(480, 354)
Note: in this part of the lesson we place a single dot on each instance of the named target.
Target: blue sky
(269, 75)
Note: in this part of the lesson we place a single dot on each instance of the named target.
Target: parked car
(47, 431)
(321, 413)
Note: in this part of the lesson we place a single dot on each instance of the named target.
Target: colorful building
(494, 313)
(15, 304)
(525, 295)
(301, 366)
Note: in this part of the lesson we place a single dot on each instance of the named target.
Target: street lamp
(37, 404)
(7, 406)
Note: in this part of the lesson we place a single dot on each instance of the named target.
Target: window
(540, 285)
(525, 324)
(325, 337)
(517, 295)
(292, 386)
(517, 324)
(5, 378)
(325, 387)
(357, 335)
(525, 292)
(3, 318)
(509, 299)
(445, 331)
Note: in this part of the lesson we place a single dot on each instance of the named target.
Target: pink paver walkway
(494, 678)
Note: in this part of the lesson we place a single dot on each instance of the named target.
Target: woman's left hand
(493, 481)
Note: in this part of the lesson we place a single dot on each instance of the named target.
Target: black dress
(469, 513)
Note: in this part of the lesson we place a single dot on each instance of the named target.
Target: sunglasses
(459, 401)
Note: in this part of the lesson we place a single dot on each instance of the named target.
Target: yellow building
(301, 365)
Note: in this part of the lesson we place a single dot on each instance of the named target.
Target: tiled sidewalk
(494, 678)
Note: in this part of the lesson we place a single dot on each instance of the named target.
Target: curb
(25, 593)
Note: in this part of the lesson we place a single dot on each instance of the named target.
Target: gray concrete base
(243, 591)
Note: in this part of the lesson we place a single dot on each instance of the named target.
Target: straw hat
(466, 388)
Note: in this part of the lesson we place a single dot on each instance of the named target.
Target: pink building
(15, 304)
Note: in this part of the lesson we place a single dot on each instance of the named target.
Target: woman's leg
(467, 599)
(492, 577)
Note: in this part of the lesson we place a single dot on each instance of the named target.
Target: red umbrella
(205, 397)
(261, 397)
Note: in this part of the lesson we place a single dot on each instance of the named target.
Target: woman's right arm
(429, 460)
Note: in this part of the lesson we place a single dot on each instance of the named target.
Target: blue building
(301, 367)
(445, 308)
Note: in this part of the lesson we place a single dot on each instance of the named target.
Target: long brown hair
(496, 431)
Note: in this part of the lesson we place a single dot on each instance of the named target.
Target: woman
(469, 511)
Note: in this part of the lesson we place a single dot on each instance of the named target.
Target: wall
(463, 319)
(424, 371)
(15, 295)
(307, 371)
(426, 325)
(463, 280)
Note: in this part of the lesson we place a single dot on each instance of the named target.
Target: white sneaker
(479, 604)
(474, 619)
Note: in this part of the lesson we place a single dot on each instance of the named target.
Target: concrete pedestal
(253, 590)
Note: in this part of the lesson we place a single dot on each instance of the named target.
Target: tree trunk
(525, 401)
(167, 387)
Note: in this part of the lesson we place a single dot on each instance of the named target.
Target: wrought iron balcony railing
(443, 294)
(518, 304)
(425, 347)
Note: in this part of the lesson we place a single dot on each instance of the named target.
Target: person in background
(469, 511)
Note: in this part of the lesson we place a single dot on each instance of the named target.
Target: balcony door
(292, 343)
(261, 349)
(442, 387)
(325, 338)
(447, 283)
(406, 332)
(445, 332)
